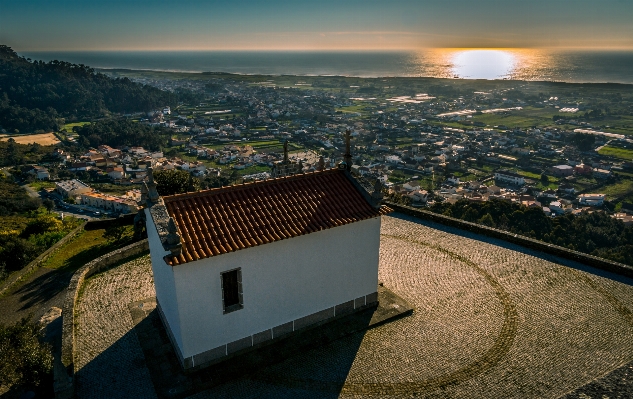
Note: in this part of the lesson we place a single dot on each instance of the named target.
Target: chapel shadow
(517, 248)
(280, 363)
(288, 366)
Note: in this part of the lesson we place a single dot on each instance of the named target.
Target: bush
(114, 233)
(16, 252)
(24, 360)
(42, 224)
(48, 239)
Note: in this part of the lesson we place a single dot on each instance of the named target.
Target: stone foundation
(251, 342)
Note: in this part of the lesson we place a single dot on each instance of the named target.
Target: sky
(36, 25)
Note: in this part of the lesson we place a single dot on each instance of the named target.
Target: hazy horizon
(328, 25)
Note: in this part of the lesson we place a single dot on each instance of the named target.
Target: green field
(39, 185)
(84, 247)
(69, 126)
(617, 152)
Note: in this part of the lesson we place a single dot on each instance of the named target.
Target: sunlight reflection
(481, 63)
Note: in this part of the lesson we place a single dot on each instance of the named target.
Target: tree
(170, 182)
(48, 204)
(114, 233)
(16, 252)
(487, 220)
(24, 360)
(544, 179)
(42, 224)
(584, 141)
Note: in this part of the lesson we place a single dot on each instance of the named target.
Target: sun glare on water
(481, 63)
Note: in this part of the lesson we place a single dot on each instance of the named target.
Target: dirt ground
(42, 139)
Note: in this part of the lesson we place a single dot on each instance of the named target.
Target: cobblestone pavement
(492, 320)
(108, 357)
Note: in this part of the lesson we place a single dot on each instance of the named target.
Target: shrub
(24, 359)
(42, 224)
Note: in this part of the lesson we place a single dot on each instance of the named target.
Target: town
(506, 141)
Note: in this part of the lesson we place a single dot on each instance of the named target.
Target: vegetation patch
(24, 360)
(617, 152)
(88, 245)
(593, 233)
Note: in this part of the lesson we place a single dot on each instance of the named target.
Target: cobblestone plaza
(491, 320)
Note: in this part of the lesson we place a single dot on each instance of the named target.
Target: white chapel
(238, 267)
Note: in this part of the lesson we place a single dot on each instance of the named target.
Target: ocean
(520, 64)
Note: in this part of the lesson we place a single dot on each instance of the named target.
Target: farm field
(42, 139)
(617, 152)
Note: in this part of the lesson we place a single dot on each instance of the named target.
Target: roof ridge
(245, 185)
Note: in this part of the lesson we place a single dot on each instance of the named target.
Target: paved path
(35, 296)
(492, 320)
(109, 359)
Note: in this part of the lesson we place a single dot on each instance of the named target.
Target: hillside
(36, 95)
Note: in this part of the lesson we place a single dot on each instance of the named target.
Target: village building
(40, 172)
(591, 199)
(71, 188)
(238, 267)
(562, 170)
(109, 202)
(508, 177)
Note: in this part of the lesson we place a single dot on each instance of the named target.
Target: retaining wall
(37, 262)
(531, 243)
(123, 220)
(64, 379)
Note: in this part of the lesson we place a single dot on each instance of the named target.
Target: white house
(40, 172)
(241, 266)
(591, 199)
(509, 177)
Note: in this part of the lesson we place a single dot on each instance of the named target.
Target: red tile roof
(217, 221)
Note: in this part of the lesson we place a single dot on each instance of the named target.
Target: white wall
(163, 279)
(282, 281)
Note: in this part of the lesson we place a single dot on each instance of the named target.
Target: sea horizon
(556, 65)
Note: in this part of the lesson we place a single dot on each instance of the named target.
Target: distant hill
(36, 95)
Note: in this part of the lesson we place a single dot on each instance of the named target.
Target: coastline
(531, 66)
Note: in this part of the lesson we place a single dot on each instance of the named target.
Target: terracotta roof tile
(218, 221)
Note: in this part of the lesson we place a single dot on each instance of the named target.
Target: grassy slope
(86, 246)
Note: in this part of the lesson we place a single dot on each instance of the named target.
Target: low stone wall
(37, 262)
(594, 261)
(64, 386)
(123, 220)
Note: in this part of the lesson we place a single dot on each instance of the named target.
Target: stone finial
(144, 193)
(347, 158)
(321, 166)
(173, 238)
(286, 151)
(152, 192)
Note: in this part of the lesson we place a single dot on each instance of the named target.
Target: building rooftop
(218, 221)
(72, 184)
